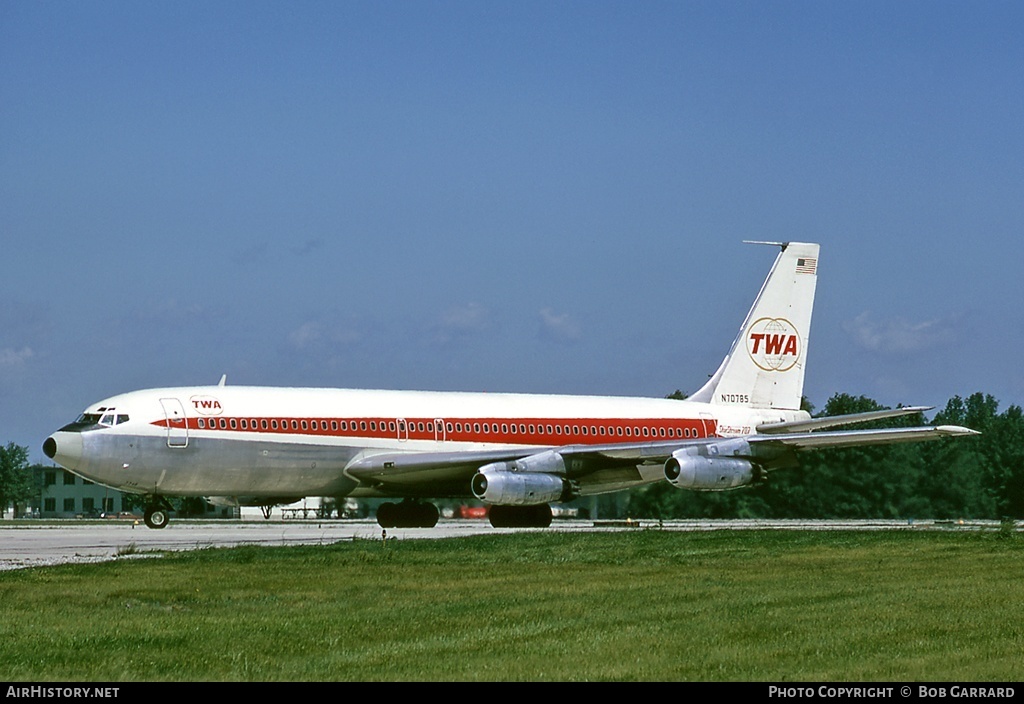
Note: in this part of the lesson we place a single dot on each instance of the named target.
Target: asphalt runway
(57, 542)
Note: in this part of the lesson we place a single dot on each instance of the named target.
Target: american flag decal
(806, 266)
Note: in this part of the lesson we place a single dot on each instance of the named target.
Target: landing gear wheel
(386, 515)
(408, 514)
(427, 515)
(538, 516)
(156, 517)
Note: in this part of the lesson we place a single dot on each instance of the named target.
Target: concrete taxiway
(27, 544)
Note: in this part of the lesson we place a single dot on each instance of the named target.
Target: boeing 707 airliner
(518, 453)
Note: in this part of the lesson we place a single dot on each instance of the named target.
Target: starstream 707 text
(63, 692)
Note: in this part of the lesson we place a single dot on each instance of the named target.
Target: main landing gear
(538, 516)
(408, 514)
(420, 514)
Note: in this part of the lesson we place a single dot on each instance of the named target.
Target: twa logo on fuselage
(206, 405)
(773, 344)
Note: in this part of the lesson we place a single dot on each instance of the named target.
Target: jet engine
(495, 485)
(705, 469)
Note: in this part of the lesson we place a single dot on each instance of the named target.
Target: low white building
(66, 495)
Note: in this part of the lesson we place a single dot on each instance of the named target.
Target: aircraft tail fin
(765, 365)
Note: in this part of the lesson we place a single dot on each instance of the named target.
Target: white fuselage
(290, 442)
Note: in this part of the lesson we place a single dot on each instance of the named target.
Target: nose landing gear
(157, 513)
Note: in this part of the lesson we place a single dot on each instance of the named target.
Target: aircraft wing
(411, 468)
(856, 438)
(832, 421)
(414, 469)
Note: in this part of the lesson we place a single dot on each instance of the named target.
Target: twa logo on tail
(773, 344)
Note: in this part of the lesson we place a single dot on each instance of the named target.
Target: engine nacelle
(494, 485)
(687, 469)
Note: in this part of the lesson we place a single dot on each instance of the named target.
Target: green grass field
(645, 605)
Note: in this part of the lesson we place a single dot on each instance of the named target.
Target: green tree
(978, 477)
(994, 460)
(878, 481)
(16, 486)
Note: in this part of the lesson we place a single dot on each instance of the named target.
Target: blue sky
(502, 196)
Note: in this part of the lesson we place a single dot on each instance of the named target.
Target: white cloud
(558, 327)
(459, 321)
(900, 335)
(316, 334)
(305, 335)
(15, 358)
(471, 316)
(310, 246)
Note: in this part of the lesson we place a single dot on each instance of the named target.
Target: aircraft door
(439, 430)
(403, 430)
(177, 429)
(710, 424)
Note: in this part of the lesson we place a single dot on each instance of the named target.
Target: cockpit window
(88, 421)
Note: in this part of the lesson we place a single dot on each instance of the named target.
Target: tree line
(976, 477)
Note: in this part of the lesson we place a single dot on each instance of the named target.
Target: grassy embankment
(738, 606)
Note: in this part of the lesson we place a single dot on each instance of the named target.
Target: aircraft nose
(64, 448)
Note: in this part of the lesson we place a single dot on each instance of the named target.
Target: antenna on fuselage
(223, 380)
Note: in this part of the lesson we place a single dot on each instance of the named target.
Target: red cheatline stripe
(532, 431)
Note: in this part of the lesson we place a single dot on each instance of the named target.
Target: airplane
(517, 453)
